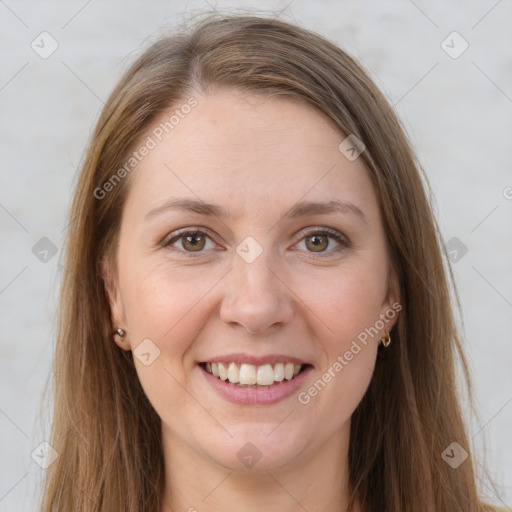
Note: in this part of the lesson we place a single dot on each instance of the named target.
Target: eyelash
(331, 233)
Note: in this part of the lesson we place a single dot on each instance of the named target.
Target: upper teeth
(247, 374)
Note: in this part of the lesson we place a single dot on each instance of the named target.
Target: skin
(256, 156)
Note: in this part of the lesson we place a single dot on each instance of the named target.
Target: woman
(255, 312)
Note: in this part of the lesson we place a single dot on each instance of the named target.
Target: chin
(256, 451)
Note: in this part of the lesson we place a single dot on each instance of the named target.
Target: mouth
(251, 376)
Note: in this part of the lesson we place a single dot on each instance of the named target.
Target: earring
(119, 332)
(386, 340)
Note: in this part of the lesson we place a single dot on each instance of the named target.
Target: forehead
(248, 151)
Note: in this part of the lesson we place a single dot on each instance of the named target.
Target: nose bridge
(255, 296)
(257, 277)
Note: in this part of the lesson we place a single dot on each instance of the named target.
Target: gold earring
(119, 332)
(386, 340)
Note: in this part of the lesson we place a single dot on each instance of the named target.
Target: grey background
(457, 111)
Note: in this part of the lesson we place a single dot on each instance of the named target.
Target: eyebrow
(301, 209)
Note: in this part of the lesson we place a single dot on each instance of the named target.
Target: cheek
(340, 387)
(166, 305)
(347, 302)
(170, 308)
(345, 306)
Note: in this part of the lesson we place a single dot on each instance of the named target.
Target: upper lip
(240, 358)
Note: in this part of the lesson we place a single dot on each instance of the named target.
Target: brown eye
(194, 242)
(190, 241)
(323, 243)
(317, 243)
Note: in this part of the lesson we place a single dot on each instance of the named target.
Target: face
(260, 277)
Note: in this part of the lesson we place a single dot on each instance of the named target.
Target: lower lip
(255, 396)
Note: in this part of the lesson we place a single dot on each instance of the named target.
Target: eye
(192, 241)
(318, 241)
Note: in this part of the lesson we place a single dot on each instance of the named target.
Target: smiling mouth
(251, 376)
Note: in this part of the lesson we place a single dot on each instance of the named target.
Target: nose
(256, 296)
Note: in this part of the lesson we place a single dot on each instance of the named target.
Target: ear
(117, 313)
(391, 305)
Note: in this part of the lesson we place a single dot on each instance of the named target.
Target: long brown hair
(105, 430)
